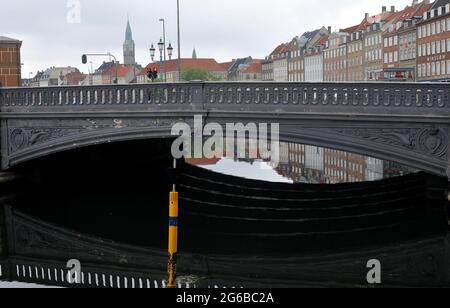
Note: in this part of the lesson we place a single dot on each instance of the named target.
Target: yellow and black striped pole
(173, 237)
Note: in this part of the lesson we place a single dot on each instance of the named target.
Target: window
(443, 68)
(385, 42)
(438, 27)
(438, 68)
(433, 28)
(428, 30)
(420, 50)
(448, 67)
(385, 58)
(448, 24)
(395, 56)
(419, 32)
(448, 44)
(395, 40)
(419, 70)
(443, 46)
(438, 47)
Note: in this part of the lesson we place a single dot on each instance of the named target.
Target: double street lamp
(162, 52)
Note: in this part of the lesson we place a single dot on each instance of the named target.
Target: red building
(433, 43)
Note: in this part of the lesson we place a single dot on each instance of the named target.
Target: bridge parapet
(410, 98)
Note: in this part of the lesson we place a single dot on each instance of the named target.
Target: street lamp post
(164, 43)
(179, 41)
(161, 58)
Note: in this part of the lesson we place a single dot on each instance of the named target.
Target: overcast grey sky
(221, 29)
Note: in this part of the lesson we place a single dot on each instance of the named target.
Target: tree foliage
(197, 74)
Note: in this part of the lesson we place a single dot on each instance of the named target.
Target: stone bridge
(408, 123)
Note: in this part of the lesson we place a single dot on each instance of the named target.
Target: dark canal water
(315, 202)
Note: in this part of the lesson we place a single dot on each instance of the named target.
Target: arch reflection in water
(232, 228)
(300, 163)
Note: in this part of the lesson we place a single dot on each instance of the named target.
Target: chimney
(367, 16)
(393, 9)
(329, 29)
(383, 9)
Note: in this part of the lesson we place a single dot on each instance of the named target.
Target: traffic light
(84, 59)
(152, 74)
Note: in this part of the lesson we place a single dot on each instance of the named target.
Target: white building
(314, 67)
(374, 169)
(314, 158)
(280, 69)
(55, 76)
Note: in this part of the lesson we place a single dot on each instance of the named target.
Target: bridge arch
(405, 123)
(420, 148)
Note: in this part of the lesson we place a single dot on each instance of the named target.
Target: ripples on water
(120, 192)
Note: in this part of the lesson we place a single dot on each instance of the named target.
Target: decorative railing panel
(318, 96)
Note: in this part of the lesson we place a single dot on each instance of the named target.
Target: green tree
(197, 74)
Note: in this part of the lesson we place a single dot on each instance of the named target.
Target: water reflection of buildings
(311, 164)
(315, 165)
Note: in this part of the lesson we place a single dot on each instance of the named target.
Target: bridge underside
(405, 140)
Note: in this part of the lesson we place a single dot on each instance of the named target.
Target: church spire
(128, 32)
(194, 54)
(129, 52)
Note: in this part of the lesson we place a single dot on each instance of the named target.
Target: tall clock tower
(129, 50)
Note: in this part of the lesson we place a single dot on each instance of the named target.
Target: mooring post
(173, 235)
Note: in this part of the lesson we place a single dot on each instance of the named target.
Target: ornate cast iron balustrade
(403, 96)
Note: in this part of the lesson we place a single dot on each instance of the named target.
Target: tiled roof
(280, 48)
(310, 35)
(409, 12)
(425, 8)
(227, 65)
(255, 67)
(122, 70)
(323, 40)
(351, 30)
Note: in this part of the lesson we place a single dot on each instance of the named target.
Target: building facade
(299, 47)
(245, 69)
(267, 70)
(373, 52)
(10, 62)
(399, 43)
(275, 66)
(54, 77)
(314, 64)
(433, 44)
(355, 56)
(335, 57)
